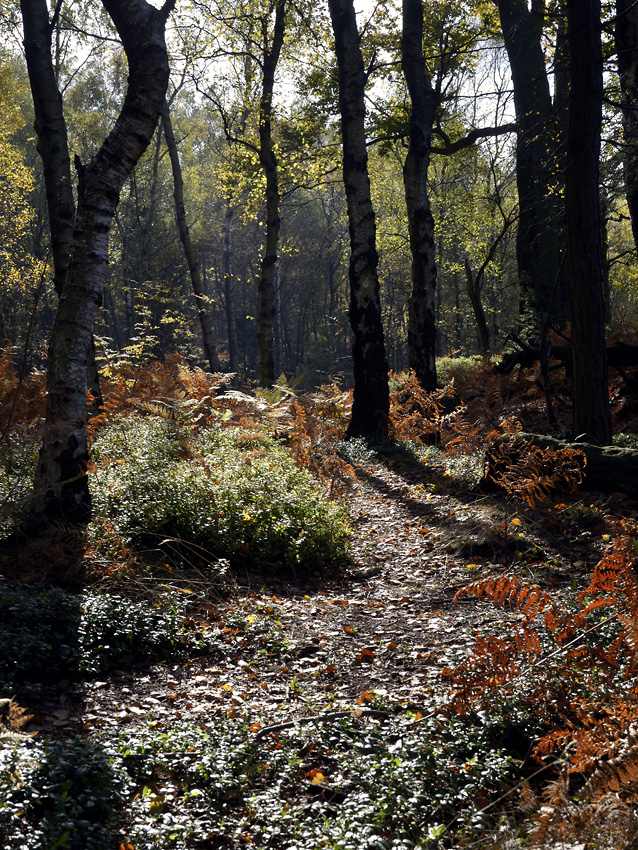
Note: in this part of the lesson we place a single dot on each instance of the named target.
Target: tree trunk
(540, 238)
(53, 147)
(589, 382)
(269, 166)
(61, 486)
(51, 132)
(473, 286)
(208, 335)
(229, 293)
(421, 305)
(371, 401)
(627, 57)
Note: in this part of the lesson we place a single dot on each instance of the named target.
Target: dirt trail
(293, 649)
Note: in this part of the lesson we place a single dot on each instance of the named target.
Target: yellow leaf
(516, 521)
(319, 779)
(227, 687)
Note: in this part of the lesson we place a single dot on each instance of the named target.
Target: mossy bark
(268, 160)
(626, 34)
(540, 239)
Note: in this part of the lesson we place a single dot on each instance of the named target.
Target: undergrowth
(570, 674)
(235, 493)
(396, 782)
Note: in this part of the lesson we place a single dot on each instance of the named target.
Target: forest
(318, 424)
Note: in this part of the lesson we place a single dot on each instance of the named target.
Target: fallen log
(609, 468)
(619, 356)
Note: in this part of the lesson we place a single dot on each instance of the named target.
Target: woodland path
(382, 633)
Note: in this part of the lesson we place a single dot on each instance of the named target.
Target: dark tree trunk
(51, 131)
(229, 292)
(53, 148)
(627, 53)
(589, 356)
(61, 486)
(540, 238)
(208, 334)
(421, 305)
(473, 286)
(371, 402)
(269, 165)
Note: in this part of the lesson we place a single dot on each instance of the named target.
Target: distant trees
(302, 186)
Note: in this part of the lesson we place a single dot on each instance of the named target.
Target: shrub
(58, 796)
(48, 634)
(459, 369)
(238, 495)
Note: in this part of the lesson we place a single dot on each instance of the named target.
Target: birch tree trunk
(269, 165)
(61, 487)
(371, 401)
(208, 334)
(421, 305)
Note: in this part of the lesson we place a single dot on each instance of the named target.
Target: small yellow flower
(606, 538)
(516, 521)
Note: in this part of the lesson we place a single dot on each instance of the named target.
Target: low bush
(238, 495)
(459, 369)
(59, 795)
(48, 634)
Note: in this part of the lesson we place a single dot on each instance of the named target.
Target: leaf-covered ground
(369, 643)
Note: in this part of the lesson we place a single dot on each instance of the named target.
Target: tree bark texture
(421, 304)
(53, 147)
(61, 486)
(371, 401)
(541, 238)
(268, 160)
(627, 56)
(51, 131)
(589, 357)
(208, 334)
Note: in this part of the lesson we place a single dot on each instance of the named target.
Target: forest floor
(378, 637)
(388, 626)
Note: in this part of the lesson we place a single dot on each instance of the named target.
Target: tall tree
(421, 305)
(272, 45)
(540, 239)
(626, 36)
(590, 390)
(208, 334)
(61, 485)
(371, 401)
